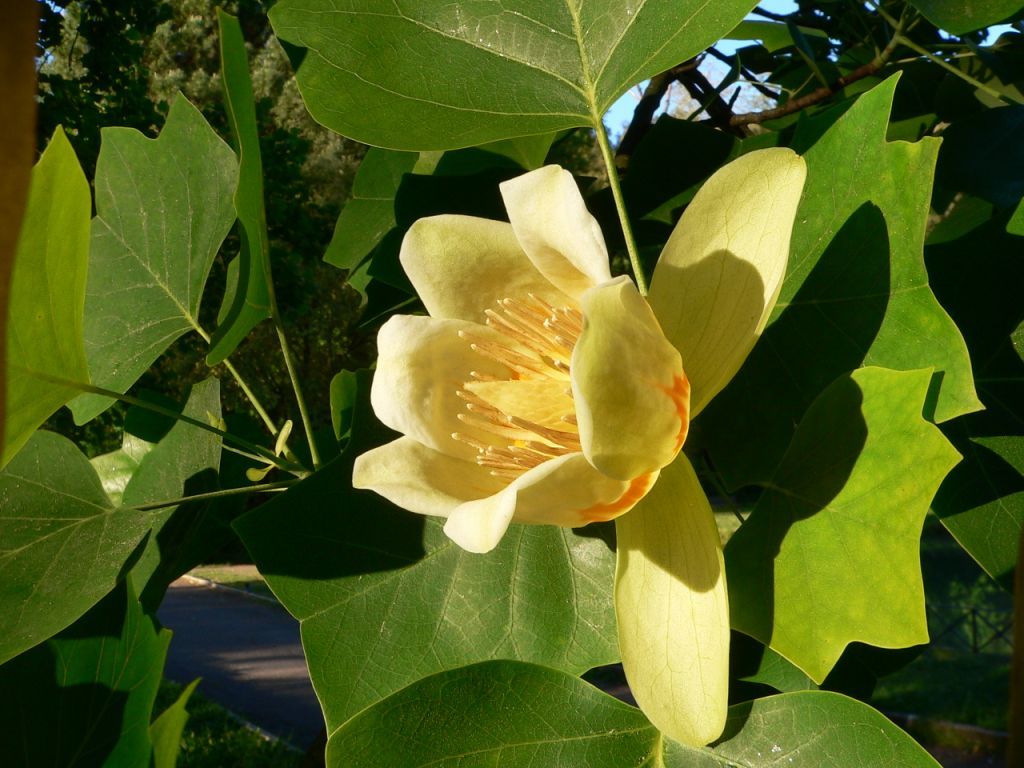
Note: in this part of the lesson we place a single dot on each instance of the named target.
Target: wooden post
(1015, 752)
(17, 146)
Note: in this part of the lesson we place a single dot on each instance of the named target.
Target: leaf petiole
(620, 204)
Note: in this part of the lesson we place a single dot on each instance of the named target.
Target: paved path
(249, 656)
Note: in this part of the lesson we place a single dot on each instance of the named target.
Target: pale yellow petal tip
(631, 394)
(478, 526)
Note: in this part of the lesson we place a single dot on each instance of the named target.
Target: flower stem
(246, 389)
(293, 375)
(261, 488)
(620, 204)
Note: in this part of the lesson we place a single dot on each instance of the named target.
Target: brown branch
(643, 115)
(711, 101)
(823, 93)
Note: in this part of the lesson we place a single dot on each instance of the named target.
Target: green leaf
(164, 207)
(982, 500)
(441, 76)
(528, 152)
(506, 714)
(184, 462)
(85, 697)
(856, 293)
(344, 391)
(958, 17)
(249, 302)
(63, 545)
(385, 598)
(497, 714)
(809, 729)
(773, 35)
(1016, 224)
(830, 553)
(47, 295)
(370, 213)
(165, 731)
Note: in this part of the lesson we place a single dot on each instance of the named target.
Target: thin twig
(261, 488)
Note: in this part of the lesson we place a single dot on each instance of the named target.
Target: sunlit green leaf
(63, 545)
(508, 714)
(830, 553)
(85, 697)
(385, 598)
(248, 301)
(412, 75)
(856, 293)
(44, 326)
(164, 207)
(773, 35)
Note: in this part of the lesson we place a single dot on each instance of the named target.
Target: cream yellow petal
(422, 365)
(565, 491)
(420, 479)
(461, 265)
(721, 271)
(555, 229)
(632, 397)
(672, 608)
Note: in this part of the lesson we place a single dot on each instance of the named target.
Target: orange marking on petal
(680, 394)
(638, 488)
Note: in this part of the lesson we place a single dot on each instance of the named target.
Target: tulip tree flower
(542, 390)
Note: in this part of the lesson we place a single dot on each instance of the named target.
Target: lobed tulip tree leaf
(958, 17)
(185, 461)
(85, 697)
(63, 544)
(163, 209)
(836, 536)
(505, 714)
(415, 76)
(982, 500)
(856, 293)
(165, 732)
(247, 302)
(47, 295)
(385, 598)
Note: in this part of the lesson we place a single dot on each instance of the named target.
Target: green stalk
(620, 204)
(246, 389)
(261, 488)
(263, 453)
(955, 71)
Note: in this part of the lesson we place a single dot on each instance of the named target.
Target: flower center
(528, 417)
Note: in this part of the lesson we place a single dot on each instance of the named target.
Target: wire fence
(971, 628)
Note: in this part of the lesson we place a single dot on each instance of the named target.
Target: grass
(213, 738)
(244, 577)
(949, 685)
